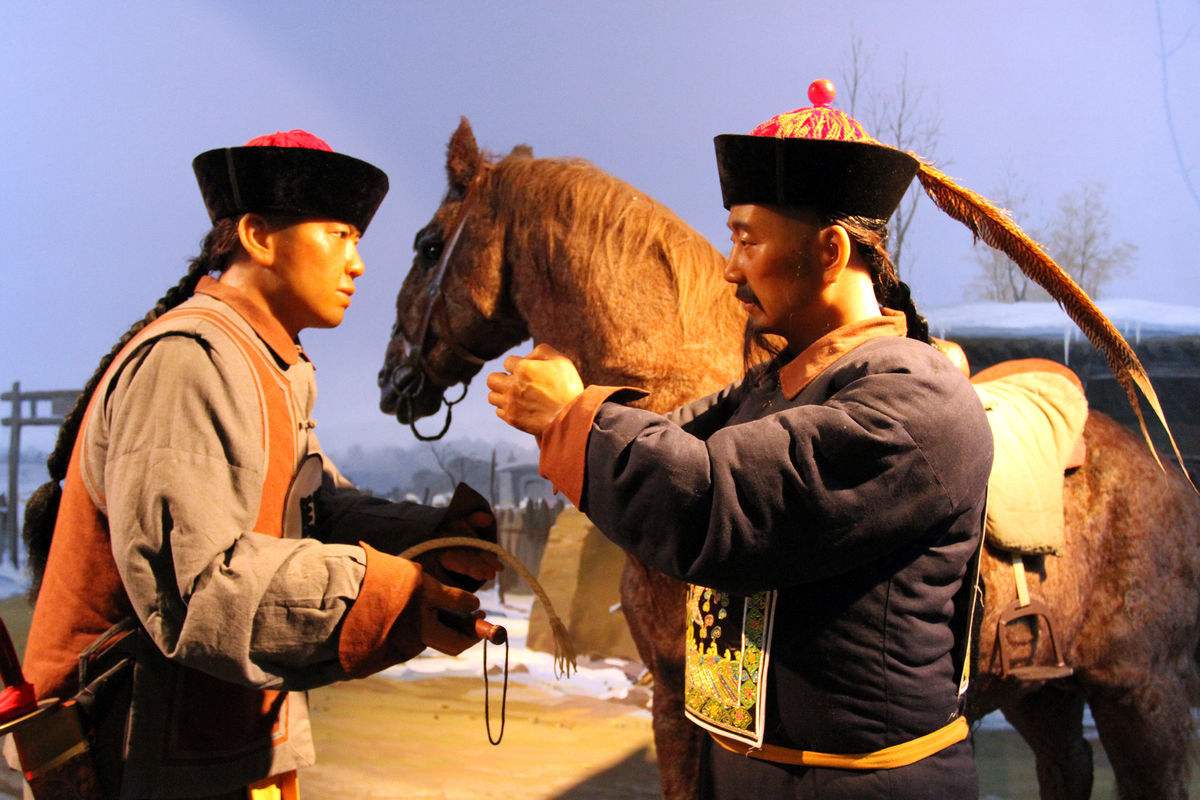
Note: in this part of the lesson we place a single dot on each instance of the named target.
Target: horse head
(452, 315)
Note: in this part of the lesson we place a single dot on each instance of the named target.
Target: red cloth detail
(17, 701)
(292, 138)
(815, 122)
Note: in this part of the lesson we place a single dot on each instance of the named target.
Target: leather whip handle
(472, 626)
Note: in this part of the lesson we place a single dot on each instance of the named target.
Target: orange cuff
(383, 626)
(564, 442)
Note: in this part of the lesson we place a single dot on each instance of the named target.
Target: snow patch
(604, 679)
(1132, 317)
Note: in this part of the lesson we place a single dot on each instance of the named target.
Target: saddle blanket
(1037, 410)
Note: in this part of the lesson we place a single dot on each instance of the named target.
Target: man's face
(773, 264)
(316, 262)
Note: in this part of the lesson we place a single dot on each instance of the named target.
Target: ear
(462, 158)
(257, 241)
(834, 251)
(521, 151)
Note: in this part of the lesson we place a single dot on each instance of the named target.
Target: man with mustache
(824, 510)
(208, 562)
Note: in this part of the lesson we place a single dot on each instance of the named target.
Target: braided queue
(870, 237)
(41, 511)
(998, 230)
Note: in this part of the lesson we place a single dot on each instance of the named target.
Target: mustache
(746, 295)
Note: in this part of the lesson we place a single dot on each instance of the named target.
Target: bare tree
(446, 458)
(1078, 237)
(999, 278)
(855, 72)
(901, 117)
(1164, 55)
(1081, 242)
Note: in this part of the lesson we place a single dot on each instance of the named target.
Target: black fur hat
(816, 158)
(292, 173)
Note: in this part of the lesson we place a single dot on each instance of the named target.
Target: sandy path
(383, 739)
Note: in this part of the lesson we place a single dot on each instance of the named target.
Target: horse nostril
(406, 381)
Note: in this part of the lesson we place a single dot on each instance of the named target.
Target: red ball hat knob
(821, 92)
(292, 138)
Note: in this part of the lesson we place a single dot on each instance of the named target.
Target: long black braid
(870, 238)
(217, 249)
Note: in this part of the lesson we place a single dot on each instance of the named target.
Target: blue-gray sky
(105, 104)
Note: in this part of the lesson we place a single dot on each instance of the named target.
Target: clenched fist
(534, 389)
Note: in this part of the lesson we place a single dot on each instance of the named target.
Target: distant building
(1165, 337)
(518, 482)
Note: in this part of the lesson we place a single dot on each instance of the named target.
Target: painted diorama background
(105, 105)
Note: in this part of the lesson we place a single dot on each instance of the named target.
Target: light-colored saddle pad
(1037, 410)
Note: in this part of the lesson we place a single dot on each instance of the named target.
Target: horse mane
(625, 231)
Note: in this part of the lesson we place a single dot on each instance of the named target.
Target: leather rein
(414, 359)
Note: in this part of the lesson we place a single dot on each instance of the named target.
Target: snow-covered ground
(13, 580)
(605, 679)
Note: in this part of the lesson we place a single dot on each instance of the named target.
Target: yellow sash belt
(898, 755)
(277, 787)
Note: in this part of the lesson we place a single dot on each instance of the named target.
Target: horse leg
(654, 609)
(1050, 720)
(1146, 731)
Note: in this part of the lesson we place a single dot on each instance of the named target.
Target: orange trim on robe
(564, 441)
(258, 318)
(820, 355)
(383, 627)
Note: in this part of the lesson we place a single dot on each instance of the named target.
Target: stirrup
(1032, 672)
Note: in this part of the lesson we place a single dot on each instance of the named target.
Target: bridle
(414, 358)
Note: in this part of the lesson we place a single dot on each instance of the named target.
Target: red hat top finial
(292, 138)
(821, 92)
(816, 122)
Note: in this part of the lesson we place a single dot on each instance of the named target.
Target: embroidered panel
(726, 653)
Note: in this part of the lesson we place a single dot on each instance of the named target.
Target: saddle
(1037, 410)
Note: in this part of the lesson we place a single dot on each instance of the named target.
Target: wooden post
(14, 466)
(61, 401)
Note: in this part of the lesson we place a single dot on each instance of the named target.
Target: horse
(558, 251)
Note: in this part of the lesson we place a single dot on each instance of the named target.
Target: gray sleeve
(799, 495)
(181, 483)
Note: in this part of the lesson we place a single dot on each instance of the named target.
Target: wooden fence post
(14, 467)
(61, 401)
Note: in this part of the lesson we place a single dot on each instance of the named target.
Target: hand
(535, 388)
(435, 595)
(478, 564)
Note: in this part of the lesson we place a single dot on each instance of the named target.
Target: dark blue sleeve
(705, 416)
(799, 495)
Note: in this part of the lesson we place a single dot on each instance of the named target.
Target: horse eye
(428, 246)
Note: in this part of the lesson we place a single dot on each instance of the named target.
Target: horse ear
(462, 157)
(521, 151)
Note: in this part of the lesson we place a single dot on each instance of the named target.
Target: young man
(202, 531)
(824, 510)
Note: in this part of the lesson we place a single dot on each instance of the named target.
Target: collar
(258, 318)
(800, 371)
